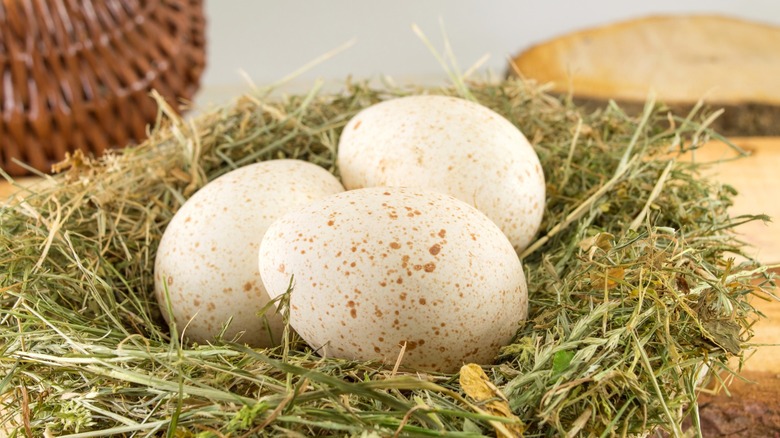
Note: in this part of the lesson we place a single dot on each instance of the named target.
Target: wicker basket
(76, 75)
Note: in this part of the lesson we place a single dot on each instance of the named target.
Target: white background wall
(269, 39)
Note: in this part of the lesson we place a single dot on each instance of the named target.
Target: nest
(636, 294)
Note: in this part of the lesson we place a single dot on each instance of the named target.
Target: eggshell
(207, 257)
(450, 145)
(377, 268)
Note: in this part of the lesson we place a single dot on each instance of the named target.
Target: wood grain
(681, 57)
(751, 410)
(8, 189)
(756, 179)
(727, 62)
(730, 63)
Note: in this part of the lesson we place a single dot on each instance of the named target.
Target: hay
(634, 290)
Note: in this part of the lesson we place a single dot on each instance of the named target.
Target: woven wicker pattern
(76, 74)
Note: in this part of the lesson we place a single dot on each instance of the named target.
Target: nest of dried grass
(634, 290)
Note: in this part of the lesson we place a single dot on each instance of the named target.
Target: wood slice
(7, 189)
(749, 410)
(755, 179)
(730, 63)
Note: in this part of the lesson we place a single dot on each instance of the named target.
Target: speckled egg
(450, 145)
(207, 257)
(378, 268)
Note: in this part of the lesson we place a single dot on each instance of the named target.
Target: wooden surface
(751, 411)
(728, 63)
(681, 58)
(7, 189)
(757, 179)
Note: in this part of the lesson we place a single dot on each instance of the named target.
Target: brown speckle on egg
(448, 145)
(410, 295)
(210, 247)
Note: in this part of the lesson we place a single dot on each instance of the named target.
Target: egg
(207, 257)
(450, 145)
(376, 269)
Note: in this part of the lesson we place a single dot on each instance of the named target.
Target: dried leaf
(724, 334)
(601, 240)
(608, 279)
(477, 385)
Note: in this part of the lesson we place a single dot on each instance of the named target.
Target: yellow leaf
(600, 240)
(608, 279)
(491, 401)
